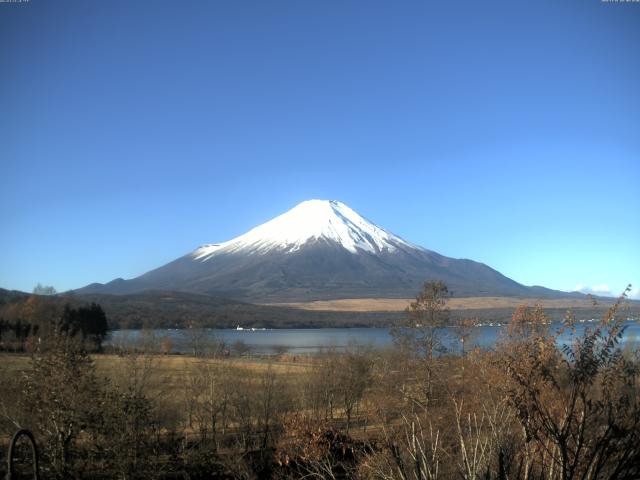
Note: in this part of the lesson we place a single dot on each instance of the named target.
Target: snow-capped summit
(309, 221)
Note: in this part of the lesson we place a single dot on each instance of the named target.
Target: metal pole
(11, 474)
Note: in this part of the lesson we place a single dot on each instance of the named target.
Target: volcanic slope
(319, 250)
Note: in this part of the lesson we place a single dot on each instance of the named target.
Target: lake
(303, 341)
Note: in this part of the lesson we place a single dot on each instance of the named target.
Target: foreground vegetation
(526, 410)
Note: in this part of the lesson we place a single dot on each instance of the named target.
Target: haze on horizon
(133, 132)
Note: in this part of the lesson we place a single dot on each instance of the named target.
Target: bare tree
(419, 332)
(207, 396)
(353, 377)
(60, 397)
(411, 452)
(40, 289)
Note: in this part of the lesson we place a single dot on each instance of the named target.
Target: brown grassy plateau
(467, 303)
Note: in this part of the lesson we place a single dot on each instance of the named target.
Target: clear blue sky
(507, 132)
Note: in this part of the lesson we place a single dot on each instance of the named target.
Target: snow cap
(308, 221)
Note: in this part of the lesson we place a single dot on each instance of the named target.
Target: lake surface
(302, 341)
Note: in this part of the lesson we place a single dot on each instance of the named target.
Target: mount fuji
(319, 250)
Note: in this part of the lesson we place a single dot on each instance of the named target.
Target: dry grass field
(168, 365)
(164, 375)
(468, 303)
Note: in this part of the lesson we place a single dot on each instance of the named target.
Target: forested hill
(169, 309)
